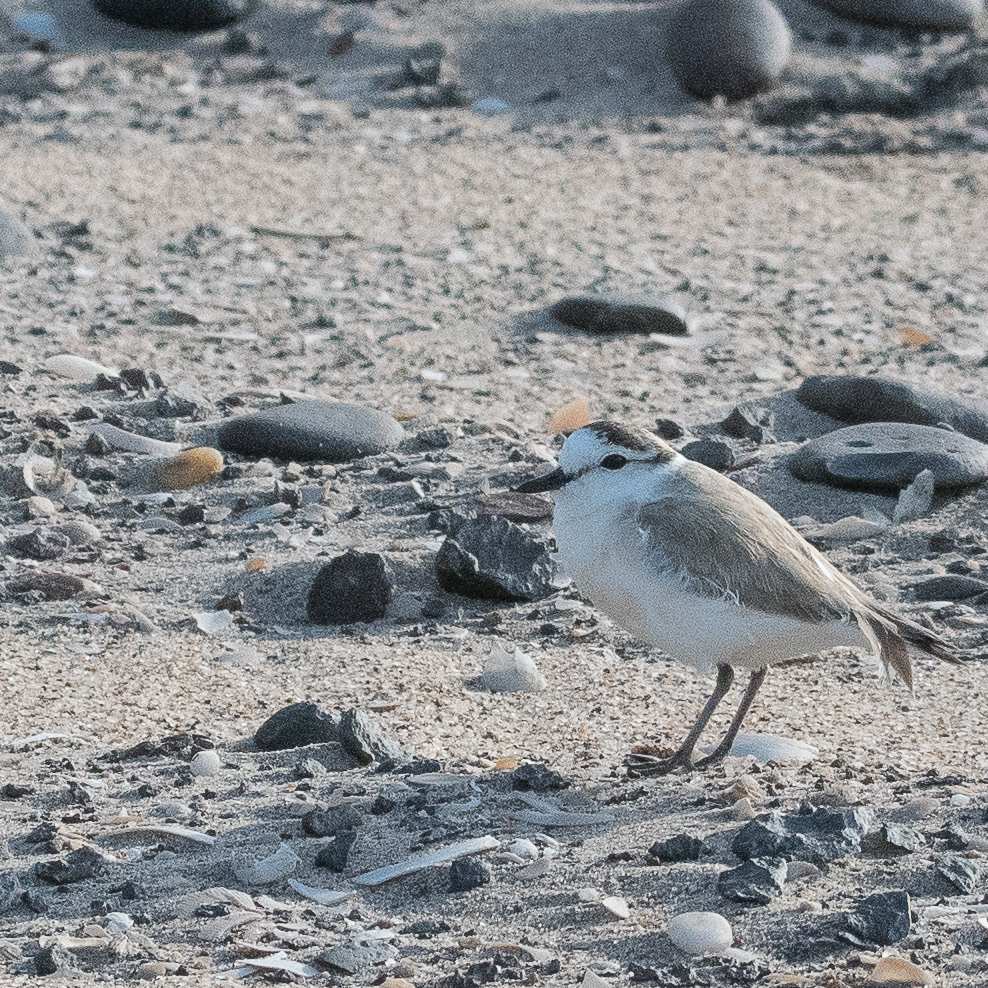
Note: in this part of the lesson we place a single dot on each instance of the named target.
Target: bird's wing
(725, 541)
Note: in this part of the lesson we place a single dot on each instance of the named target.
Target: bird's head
(616, 461)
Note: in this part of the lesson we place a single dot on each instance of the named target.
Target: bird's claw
(640, 766)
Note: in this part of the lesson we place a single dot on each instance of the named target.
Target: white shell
(205, 763)
(77, 368)
(133, 443)
(700, 933)
(772, 748)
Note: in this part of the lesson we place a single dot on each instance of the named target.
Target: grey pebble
(312, 430)
(877, 399)
(605, 314)
(952, 586)
(711, 453)
(921, 15)
(757, 880)
(177, 15)
(730, 48)
(884, 456)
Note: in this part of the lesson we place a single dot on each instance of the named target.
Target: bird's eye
(613, 462)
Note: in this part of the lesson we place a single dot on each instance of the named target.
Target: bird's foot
(641, 766)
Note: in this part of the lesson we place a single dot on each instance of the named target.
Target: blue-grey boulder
(877, 399)
(730, 48)
(887, 456)
(312, 430)
(919, 15)
(177, 15)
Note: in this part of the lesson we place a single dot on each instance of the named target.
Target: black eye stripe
(613, 462)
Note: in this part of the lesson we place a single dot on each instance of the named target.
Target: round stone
(855, 400)
(177, 15)
(730, 48)
(190, 469)
(920, 15)
(887, 456)
(312, 430)
(205, 762)
(700, 933)
(603, 314)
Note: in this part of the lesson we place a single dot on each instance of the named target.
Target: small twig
(270, 231)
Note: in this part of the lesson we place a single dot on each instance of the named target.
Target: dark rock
(361, 735)
(354, 957)
(856, 400)
(536, 777)
(97, 445)
(6, 367)
(417, 766)
(312, 430)
(468, 873)
(433, 607)
(917, 15)
(42, 543)
(13, 791)
(603, 315)
(46, 586)
(886, 456)
(335, 855)
(761, 838)
(331, 821)
(510, 505)
(730, 48)
(493, 559)
(294, 726)
(758, 880)
(177, 15)
(815, 835)
(425, 929)
(383, 804)
(963, 873)
(350, 588)
(755, 424)
(10, 891)
(882, 918)
(894, 839)
(668, 429)
(77, 867)
(954, 586)
(53, 959)
(682, 847)
(711, 453)
(430, 439)
(138, 380)
(191, 514)
(36, 902)
(172, 406)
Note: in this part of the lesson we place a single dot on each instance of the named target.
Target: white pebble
(77, 368)
(959, 799)
(700, 933)
(118, 922)
(617, 906)
(205, 762)
(524, 849)
(589, 895)
(511, 672)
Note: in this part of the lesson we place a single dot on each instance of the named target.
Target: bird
(694, 564)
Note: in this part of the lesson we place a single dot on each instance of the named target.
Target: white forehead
(584, 448)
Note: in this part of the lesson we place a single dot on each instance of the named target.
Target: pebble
(616, 905)
(899, 972)
(41, 544)
(964, 874)
(352, 957)
(363, 738)
(883, 456)
(266, 871)
(746, 422)
(50, 586)
(536, 777)
(334, 856)
(918, 15)
(493, 559)
(700, 932)
(606, 314)
(192, 468)
(510, 672)
(490, 106)
(332, 820)
(856, 400)
(730, 48)
(952, 586)
(468, 873)
(294, 726)
(177, 15)
(896, 839)
(882, 918)
(77, 867)
(759, 880)
(76, 368)
(312, 430)
(711, 453)
(682, 847)
(205, 763)
(354, 587)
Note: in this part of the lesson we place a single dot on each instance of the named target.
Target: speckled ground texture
(263, 224)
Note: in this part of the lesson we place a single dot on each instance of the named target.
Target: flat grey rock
(607, 314)
(884, 456)
(877, 399)
(730, 48)
(951, 586)
(920, 15)
(177, 15)
(312, 430)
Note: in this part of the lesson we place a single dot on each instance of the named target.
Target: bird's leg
(724, 748)
(641, 765)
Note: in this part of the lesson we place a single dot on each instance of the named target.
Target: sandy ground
(339, 240)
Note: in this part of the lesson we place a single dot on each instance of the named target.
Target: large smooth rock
(177, 15)
(885, 456)
(312, 430)
(700, 932)
(606, 314)
(731, 48)
(922, 15)
(878, 399)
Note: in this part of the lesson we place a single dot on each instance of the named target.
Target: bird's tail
(892, 635)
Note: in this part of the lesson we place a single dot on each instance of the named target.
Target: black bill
(550, 482)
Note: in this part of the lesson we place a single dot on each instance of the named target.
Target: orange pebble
(572, 415)
(190, 468)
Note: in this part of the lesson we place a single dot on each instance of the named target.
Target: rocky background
(380, 206)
